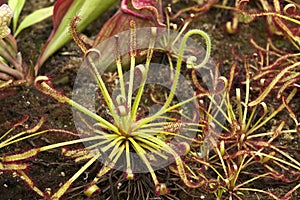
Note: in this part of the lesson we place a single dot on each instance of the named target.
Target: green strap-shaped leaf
(16, 6)
(34, 18)
(87, 10)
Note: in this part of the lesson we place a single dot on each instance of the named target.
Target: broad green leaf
(34, 18)
(16, 6)
(87, 11)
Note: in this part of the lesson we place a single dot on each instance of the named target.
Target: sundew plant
(132, 134)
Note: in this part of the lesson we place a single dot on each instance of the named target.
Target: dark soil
(50, 169)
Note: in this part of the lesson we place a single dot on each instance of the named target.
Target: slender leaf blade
(34, 18)
(16, 6)
(88, 11)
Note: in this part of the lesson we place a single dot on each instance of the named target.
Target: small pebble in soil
(119, 186)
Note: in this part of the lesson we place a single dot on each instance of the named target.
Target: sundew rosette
(128, 136)
(149, 116)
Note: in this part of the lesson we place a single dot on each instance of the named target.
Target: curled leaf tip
(153, 9)
(5, 15)
(144, 13)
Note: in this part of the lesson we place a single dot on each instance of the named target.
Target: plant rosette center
(148, 116)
